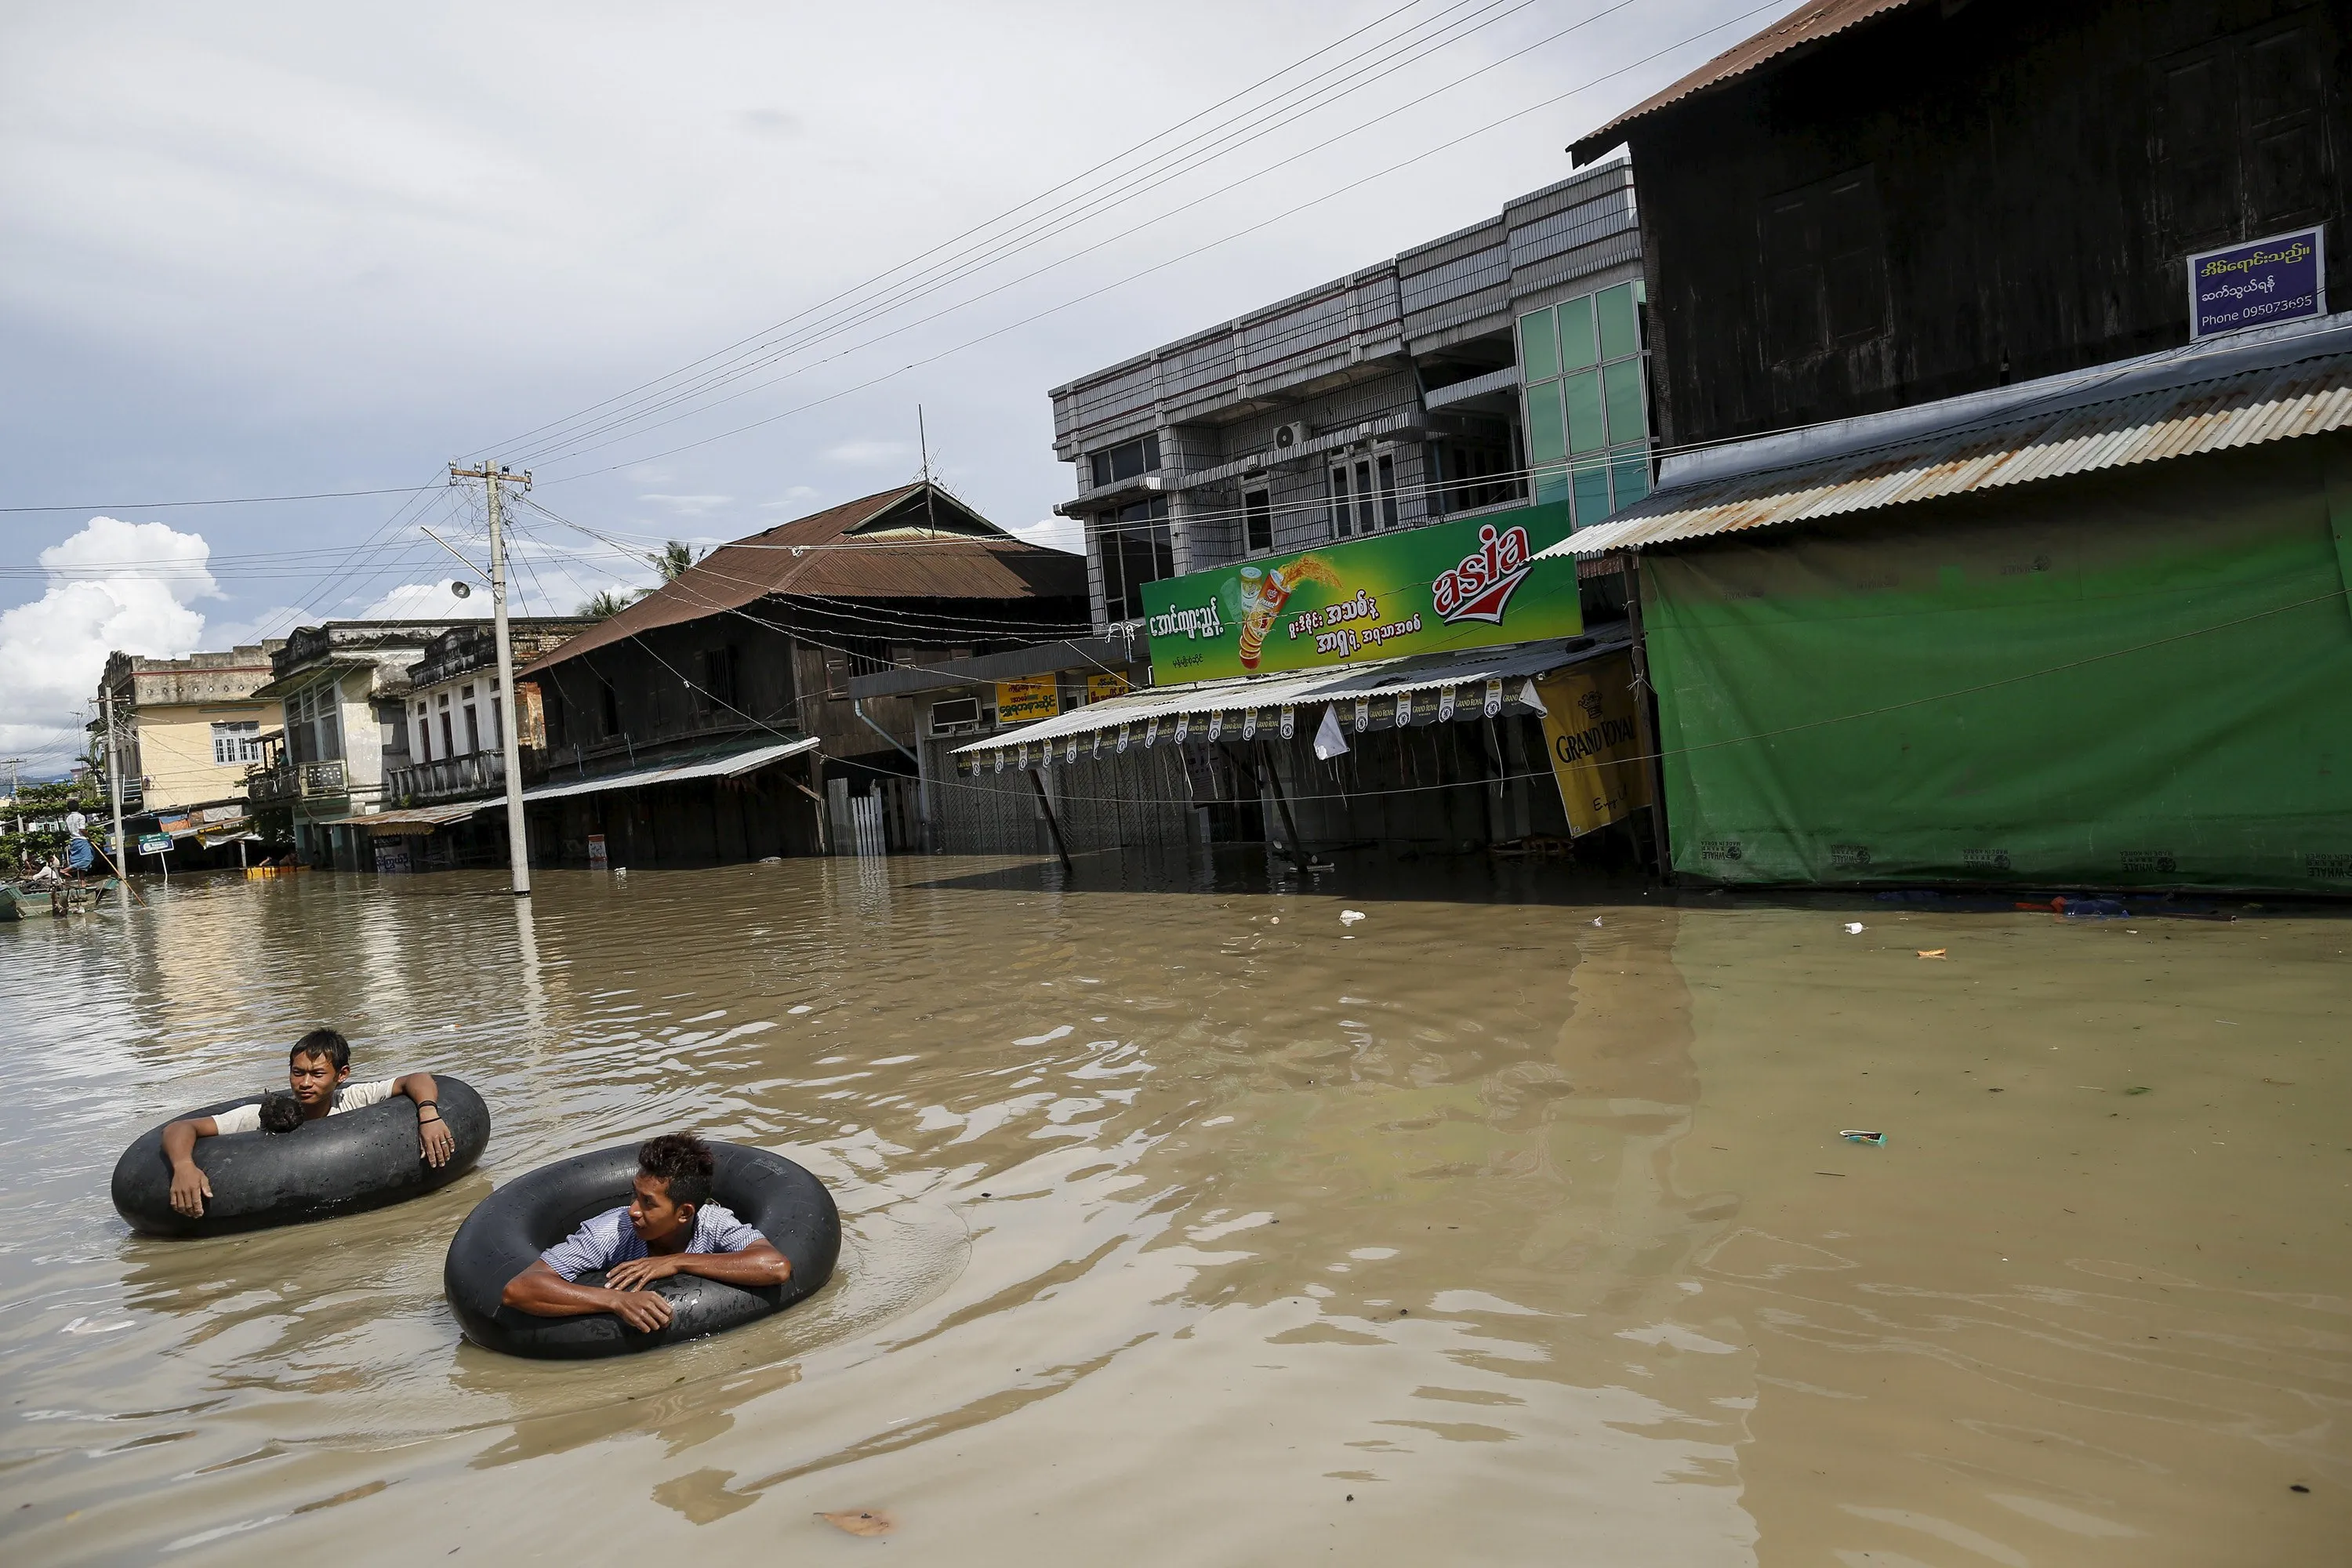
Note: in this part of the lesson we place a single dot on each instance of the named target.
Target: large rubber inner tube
(338, 1164)
(508, 1231)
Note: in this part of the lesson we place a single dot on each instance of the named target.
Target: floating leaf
(861, 1520)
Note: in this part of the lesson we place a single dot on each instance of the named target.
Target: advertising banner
(1595, 741)
(2264, 281)
(1018, 702)
(1449, 586)
(1100, 688)
(154, 843)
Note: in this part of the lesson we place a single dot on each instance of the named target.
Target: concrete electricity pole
(517, 843)
(114, 782)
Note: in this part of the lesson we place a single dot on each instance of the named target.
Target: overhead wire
(835, 306)
(574, 447)
(1155, 268)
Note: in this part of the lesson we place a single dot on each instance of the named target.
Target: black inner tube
(338, 1164)
(508, 1231)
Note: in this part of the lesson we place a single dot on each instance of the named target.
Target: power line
(1147, 271)
(576, 448)
(214, 500)
(722, 356)
(1059, 219)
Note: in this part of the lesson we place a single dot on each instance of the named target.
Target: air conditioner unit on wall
(1289, 437)
(955, 716)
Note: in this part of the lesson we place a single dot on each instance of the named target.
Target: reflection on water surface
(1191, 1225)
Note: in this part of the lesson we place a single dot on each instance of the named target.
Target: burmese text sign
(1018, 702)
(1467, 584)
(2281, 278)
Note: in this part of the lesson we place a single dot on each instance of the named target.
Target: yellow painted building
(191, 726)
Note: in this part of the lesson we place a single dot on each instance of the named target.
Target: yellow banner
(1099, 686)
(1018, 702)
(1594, 742)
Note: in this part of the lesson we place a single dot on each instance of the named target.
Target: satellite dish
(461, 588)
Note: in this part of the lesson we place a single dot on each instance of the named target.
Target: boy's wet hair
(323, 1043)
(682, 1164)
(280, 1111)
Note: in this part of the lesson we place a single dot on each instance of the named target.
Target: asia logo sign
(1467, 584)
(2282, 279)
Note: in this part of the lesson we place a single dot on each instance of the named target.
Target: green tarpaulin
(2139, 679)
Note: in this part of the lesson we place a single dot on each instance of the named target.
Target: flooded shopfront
(1188, 1220)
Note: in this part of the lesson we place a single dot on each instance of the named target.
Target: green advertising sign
(1454, 586)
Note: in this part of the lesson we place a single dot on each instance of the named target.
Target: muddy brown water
(1189, 1224)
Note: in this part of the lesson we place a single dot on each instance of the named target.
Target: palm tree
(673, 560)
(605, 604)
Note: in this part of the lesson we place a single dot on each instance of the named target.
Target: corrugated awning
(728, 766)
(412, 819)
(1425, 672)
(2141, 411)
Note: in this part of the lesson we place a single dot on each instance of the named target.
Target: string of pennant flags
(1365, 713)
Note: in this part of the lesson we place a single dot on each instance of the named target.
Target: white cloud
(1055, 533)
(428, 601)
(113, 585)
(866, 454)
(273, 622)
(688, 506)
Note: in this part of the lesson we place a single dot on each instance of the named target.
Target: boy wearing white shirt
(316, 1069)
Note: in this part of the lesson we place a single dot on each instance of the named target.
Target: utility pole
(517, 843)
(114, 780)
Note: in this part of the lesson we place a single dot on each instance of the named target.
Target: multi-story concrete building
(344, 686)
(189, 727)
(1465, 374)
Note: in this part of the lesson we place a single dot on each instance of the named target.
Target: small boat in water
(62, 899)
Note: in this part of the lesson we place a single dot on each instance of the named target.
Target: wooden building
(1970, 561)
(1880, 203)
(712, 720)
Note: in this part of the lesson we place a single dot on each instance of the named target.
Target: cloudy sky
(648, 252)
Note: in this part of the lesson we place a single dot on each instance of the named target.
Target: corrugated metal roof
(1423, 672)
(727, 766)
(1806, 25)
(836, 553)
(412, 819)
(2044, 438)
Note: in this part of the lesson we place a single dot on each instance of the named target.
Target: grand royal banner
(1454, 585)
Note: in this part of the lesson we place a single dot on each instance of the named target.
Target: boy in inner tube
(670, 1228)
(315, 1072)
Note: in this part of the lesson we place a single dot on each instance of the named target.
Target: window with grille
(237, 743)
(1363, 495)
(1258, 523)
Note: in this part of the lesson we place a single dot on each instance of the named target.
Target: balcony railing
(451, 778)
(295, 780)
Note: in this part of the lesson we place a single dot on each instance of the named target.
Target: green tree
(673, 560)
(605, 604)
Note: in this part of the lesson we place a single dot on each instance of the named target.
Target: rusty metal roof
(898, 544)
(2141, 411)
(1804, 26)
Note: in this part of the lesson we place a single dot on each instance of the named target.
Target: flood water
(1194, 1225)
